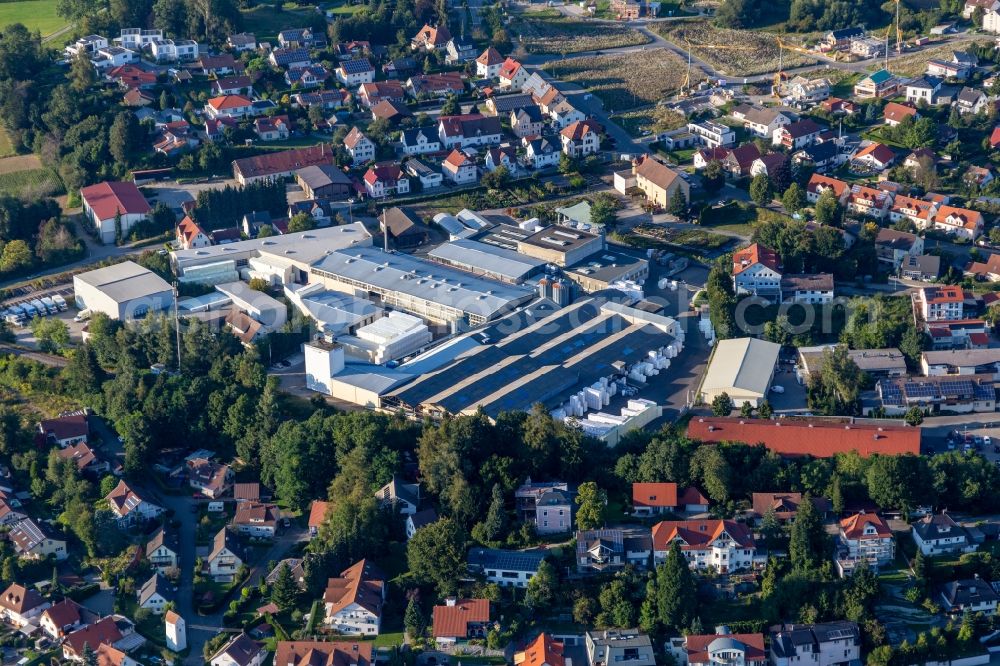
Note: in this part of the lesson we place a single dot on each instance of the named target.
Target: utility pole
(177, 329)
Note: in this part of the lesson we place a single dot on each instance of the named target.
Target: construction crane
(899, 38)
(724, 47)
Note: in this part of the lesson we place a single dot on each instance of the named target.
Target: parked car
(777, 388)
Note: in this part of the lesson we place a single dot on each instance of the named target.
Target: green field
(35, 14)
(35, 182)
(266, 23)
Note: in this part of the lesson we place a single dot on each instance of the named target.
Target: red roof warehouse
(101, 202)
(821, 439)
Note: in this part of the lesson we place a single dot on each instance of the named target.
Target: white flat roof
(125, 281)
(742, 363)
(495, 260)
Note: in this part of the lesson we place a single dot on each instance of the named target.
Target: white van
(82, 315)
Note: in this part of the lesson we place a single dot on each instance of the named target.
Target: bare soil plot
(732, 52)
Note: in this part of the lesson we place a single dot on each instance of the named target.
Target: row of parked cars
(22, 313)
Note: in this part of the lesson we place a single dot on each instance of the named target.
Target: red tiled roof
(879, 151)
(654, 494)
(543, 651)
(970, 219)
(820, 439)
(453, 621)
(579, 129)
(189, 229)
(63, 614)
(854, 526)
(691, 495)
(362, 583)
(699, 534)
(82, 454)
(229, 102)
(895, 111)
(755, 254)
(285, 160)
(385, 172)
(995, 137)
(490, 57)
(108, 198)
(944, 294)
(104, 632)
(323, 653)
(19, 599)
(456, 159)
(509, 69)
(353, 137)
(317, 512)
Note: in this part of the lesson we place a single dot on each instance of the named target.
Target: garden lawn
(266, 23)
(549, 31)
(37, 15)
(627, 80)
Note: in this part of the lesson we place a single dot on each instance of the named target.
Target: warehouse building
(602, 270)
(334, 313)
(559, 245)
(488, 261)
(436, 293)
(123, 291)
(357, 384)
(742, 368)
(387, 339)
(282, 259)
(538, 354)
(113, 208)
(270, 313)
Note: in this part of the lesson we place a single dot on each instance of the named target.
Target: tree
(301, 222)
(496, 179)
(413, 618)
(16, 256)
(492, 527)
(436, 554)
(765, 410)
(603, 209)
(450, 106)
(807, 541)
(794, 198)
(84, 374)
(678, 203)
(81, 73)
(567, 164)
(592, 503)
(713, 177)
(284, 591)
(722, 404)
(542, 588)
(52, 334)
(914, 416)
(124, 137)
(760, 189)
(746, 410)
(828, 210)
(676, 590)
(89, 657)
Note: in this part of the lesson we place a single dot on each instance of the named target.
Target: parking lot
(174, 194)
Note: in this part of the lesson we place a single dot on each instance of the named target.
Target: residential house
(240, 650)
(420, 141)
(224, 562)
(818, 184)
(110, 632)
(361, 148)
(459, 620)
(326, 653)
(430, 38)
(893, 246)
(317, 514)
(553, 512)
(469, 130)
(770, 165)
(581, 138)
(725, 545)
(609, 647)
(971, 100)
(459, 169)
(610, 549)
(765, 122)
(156, 593)
(384, 180)
(508, 568)
(824, 644)
(419, 520)
(130, 76)
(229, 106)
(864, 536)
(944, 303)
(313, 76)
(8, 513)
(393, 112)
(436, 85)
(650, 499)
(512, 74)
(459, 50)
(323, 181)
(129, 507)
(190, 235)
(757, 271)
(325, 99)
(353, 601)
(113, 207)
(659, 182)
(739, 161)
(959, 222)
(273, 128)
(917, 211)
(540, 153)
(355, 72)
(20, 606)
(62, 618)
(210, 478)
(924, 89)
(803, 90)
(978, 176)
(875, 156)
(970, 7)
(255, 519)
(894, 113)
(289, 58)
(428, 177)
(34, 541)
(838, 39)
(543, 651)
(295, 568)
(488, 64)
(242, 41)
(809, 288)
(720, 647)
(838, 106)
(501, 157)
(868, 202)
(972, 596)
(370, 94)
(878, 85)
(302, 37)
(397, 493)
(939, 534)
(783, 506)
(925, 268)
(162, 551)
(219, 65)
(86, 460)
(797, 135)
(712, 134)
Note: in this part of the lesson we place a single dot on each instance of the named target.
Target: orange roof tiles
(854, 526)
(755, 254)
(654, 494)
(453, 621)
(699, 534)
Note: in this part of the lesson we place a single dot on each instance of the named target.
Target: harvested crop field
(731, 52)
(628, 80)
(548, 31)
(31, 183)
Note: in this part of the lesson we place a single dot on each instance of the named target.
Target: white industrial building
(270, 313)
(488, 261)
(278, 259)
(357, 384)
(334, 313)
(387, 339)
(742, 368)
(123, 291)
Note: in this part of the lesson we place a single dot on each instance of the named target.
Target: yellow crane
(723, 47)
(899, 37)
